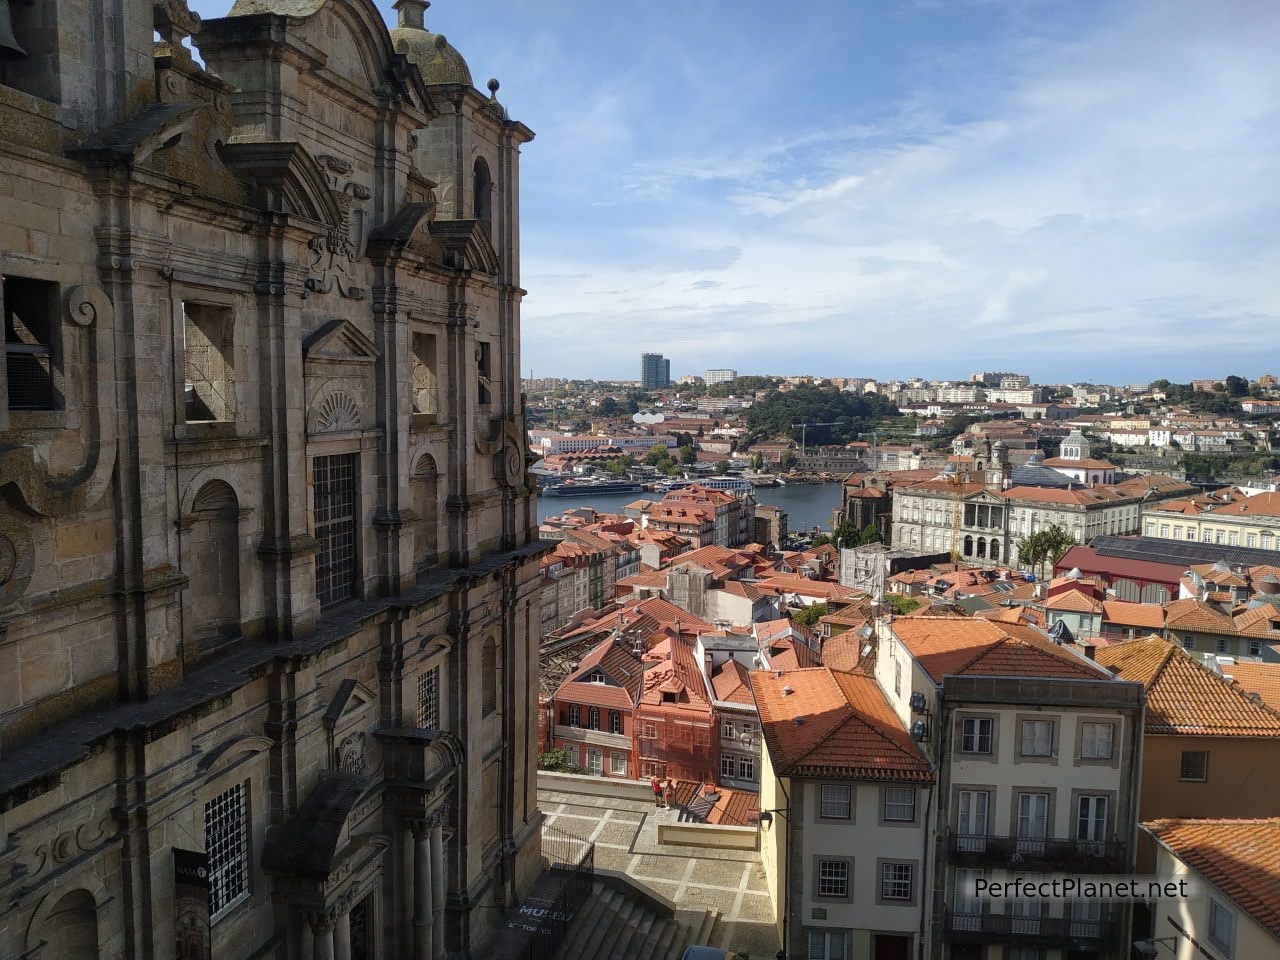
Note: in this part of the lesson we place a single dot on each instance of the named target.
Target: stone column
(423, 895)
(342, 931)
(322, 936)
(437, 884)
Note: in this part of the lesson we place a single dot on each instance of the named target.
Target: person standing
(668, 793)
(657, 790)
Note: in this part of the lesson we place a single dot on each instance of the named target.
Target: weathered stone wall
(265, 229)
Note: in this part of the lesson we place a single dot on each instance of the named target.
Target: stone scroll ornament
(333, 256)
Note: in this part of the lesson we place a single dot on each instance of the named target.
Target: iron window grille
(428, 713)
(226, 840)
(334, 488)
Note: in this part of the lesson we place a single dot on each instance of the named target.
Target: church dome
(436, 59)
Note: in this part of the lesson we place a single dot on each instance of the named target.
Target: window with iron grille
(30, 308)
(1194, 766)
(428, 713)
(895, 881)
(226, 842)
(334, 488)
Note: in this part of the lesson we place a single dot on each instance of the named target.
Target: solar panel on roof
(1185, 552)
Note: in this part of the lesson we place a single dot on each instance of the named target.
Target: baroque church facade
(268, 567)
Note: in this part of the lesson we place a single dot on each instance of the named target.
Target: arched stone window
(982, 548)
(424, 490)
(995, 549)
(211, 558)
(968, 546)
(482, 193)
(70, 931)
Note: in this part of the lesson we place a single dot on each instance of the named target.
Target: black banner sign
(191, 905)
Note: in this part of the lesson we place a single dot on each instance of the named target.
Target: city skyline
(980, 171)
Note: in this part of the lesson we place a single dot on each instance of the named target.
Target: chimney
(1090, 650)
(786, 691)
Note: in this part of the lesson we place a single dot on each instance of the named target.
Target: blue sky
(892, 187)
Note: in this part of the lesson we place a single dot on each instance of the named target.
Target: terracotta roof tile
(1147, 616)
(963, 645)
(732, 683)
(1073, 601)
(1239, 857)
(1260, 678)
(846, 727)
(1196, 615)
(1185, 697)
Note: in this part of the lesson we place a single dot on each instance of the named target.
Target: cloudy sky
(892, 187)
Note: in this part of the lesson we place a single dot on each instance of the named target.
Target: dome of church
(436, 59)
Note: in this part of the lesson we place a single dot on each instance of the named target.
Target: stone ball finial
(493, 86)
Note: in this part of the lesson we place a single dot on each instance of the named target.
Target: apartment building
(1243, 522)
(1210, 749)
(1035, 751)
(593, 710)
(844, 812)
(1236, 865)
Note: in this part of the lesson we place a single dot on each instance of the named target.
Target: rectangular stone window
(226, 842)
(334, 488)
(895, 881)
(618, 764)
(32, 363)
(899, 804)
(975, 735)
(484, 369)
(426, 383)
(427, 715)
(1097, 740)
(1037, 738)
(1194, 766)
(208, 350)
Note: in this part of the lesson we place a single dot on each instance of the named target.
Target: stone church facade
(268, 575)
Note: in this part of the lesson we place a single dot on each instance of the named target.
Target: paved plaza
(625, 833)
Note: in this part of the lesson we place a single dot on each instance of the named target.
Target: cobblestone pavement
(625, 833)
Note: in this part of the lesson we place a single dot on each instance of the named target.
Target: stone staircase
(623, 921)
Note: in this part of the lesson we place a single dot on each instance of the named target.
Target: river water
(808, 505)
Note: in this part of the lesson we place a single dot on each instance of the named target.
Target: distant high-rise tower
(655, 371)
(719, 376)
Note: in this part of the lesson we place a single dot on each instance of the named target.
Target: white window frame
(1040, 741)
(1217, 910)
(833, 875)
(728, 766)
(971, 735)
(832, 945)
(905, 799)
(1090, 748)
(826, 802)
(891, 878)
(618, 764)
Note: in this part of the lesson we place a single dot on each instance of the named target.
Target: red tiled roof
(1239, 857)
(822, 723)
(1260, 678)
(962, 645)
(1073, 601)
(732, 683)
(595, 694)
(1147, 616)
(1185, 697)
(1198, 616)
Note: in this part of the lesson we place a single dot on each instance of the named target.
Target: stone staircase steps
(620, 924)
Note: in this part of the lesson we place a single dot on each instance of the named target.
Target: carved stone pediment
(285, 179)
(466, 245)
(349, 700)
(339, 341)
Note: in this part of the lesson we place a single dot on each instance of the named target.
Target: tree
(900, 603)
(656, 454)
(722, 467)
(821, 540)
(786, 461)
(557, 761)
(609, 407)
(810, 615)
(688, 455)
(757, 462)
(1044, 546)
(870, 534)
(1236, 386)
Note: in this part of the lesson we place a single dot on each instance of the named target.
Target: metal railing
(1041, 931)
(965, 848)
(571, 860)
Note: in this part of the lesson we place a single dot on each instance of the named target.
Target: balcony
(599, 738)
(1081, 856)
(1064, 933)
